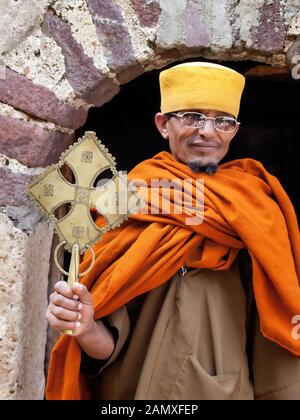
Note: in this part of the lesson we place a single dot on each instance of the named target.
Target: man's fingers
(60, 300)
(63, 288)
(83, 294)
(64, 314)
(60, 325)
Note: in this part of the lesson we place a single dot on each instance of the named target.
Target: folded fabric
(244, 207)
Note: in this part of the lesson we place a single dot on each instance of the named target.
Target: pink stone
(30, 144)
(196, 31)
(148, 13)
(13, 188)
(115, 39)
(20, 92)
(270, 35)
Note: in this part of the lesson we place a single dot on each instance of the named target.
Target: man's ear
(236, 131)
(161, 124)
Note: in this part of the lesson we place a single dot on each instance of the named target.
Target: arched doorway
(269, 130)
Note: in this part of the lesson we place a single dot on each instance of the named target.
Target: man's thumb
(83, 294)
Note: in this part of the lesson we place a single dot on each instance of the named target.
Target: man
(167, 315)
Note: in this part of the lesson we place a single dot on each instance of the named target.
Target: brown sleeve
(119, 324)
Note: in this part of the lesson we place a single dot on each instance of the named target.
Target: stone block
(31, 144)
(115, 39)
(18, 19)
(20, 92)
(12, 192)
(181, 26)
(147, 11)
(83, 76)
(14, 178)
(270, 35)
(24, 271)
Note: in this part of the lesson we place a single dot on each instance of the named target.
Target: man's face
(203, 147)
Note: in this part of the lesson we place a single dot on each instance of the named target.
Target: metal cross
(87, 158)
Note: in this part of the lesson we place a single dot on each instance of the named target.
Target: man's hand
(71, 308)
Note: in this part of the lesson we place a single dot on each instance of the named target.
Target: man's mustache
(198, 140)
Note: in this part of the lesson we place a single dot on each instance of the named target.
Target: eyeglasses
(197, 120)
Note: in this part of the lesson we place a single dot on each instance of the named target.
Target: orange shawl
(244, 206)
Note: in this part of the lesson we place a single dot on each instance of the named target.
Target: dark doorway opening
(269, 115)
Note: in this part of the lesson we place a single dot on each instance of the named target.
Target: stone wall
(59, 59)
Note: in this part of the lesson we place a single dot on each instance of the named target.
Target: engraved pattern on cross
(87, 159)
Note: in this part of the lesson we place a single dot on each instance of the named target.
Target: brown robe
(187, 340)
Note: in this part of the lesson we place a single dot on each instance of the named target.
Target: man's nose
(208, 130)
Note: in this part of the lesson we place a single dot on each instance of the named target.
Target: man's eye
(196, 117)
(189, 118)
(224, 121)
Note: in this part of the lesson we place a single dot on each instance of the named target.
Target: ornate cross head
(87, 158)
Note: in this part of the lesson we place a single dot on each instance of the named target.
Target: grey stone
(24, 217)
(81, 72)
(18, 19)
(23, 301)
(181, 26)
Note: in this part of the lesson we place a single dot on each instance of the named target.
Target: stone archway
(60, 58)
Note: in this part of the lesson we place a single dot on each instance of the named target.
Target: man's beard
(197, 167)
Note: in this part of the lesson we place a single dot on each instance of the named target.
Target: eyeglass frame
(181, 115)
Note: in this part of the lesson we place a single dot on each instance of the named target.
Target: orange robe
(244, 207)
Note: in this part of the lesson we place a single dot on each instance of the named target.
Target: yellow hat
(201, 85)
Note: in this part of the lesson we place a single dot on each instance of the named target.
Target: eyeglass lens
(198, 120)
